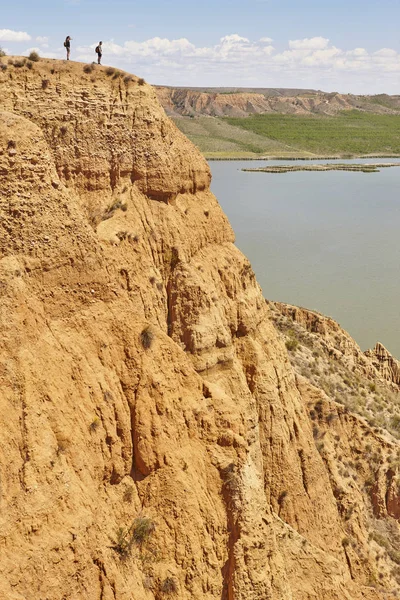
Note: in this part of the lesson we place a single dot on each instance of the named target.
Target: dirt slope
(156, 440)
(195, 103)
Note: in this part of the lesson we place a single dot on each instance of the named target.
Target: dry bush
(147, 337)
(34, 56)
(88, 68)
(169, 586)
(139, 533)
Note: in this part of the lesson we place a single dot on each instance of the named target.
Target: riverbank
(223, 157)
(360, 167)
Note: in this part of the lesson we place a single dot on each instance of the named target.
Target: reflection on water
(327, 241)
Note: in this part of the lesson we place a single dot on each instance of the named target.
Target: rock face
(156, 440)
(192, 102)
(385, 363)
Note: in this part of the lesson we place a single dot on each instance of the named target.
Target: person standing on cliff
(67, 45)
(99, 52)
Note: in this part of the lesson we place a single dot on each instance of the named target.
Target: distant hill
(235, 90)
(245, 122)
(241, 102)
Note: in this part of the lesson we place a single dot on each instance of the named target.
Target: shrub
(117, 74)
(18, 64)
(62, 447)
(169, 586)
(127, 79)
(2, 53)
(122, 544)
(63, 129)
(395, 422)
(11, 145)
(282, 497)
(88, 68)
(141, 81)
(330, 418)
(29, 64)
(114, 206)
(45, 84)
(292, 345)
(138, 533)
(147, 337)
(34, 56)
(3, 67)
(95, 424)
(110, 71)
(128, 494)
(142, 530)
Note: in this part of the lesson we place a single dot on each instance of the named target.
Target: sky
(349, 47)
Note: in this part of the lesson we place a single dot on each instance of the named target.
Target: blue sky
(343, 46)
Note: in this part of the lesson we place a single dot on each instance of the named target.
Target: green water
(327, 241)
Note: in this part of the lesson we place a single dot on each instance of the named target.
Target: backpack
(97, 50)
(65, 44)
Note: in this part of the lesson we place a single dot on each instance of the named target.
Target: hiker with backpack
(99, 52)
(67, 45)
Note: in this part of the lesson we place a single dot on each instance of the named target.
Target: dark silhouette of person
(67, 45)
(99, 52)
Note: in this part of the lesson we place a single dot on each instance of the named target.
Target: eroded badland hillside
(158, 438)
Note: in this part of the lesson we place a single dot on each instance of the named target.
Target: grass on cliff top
(350, 132)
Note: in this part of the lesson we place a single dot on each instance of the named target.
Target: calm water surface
(328, 241)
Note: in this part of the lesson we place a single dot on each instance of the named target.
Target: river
(327, 241)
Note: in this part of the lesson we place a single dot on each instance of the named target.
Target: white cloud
(315, 43)
(7, 35)
(266, 40)
(42, 39)
(234, 39)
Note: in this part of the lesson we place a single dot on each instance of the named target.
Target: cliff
(181, 102)
(156, 439)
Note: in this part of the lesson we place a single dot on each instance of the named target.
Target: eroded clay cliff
(143, 381)
(181, 102)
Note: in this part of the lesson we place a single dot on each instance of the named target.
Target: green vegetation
(217, 138)
(384, 100)
(292, 344)
(350, 132)
(2, 53)
(139, 533)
